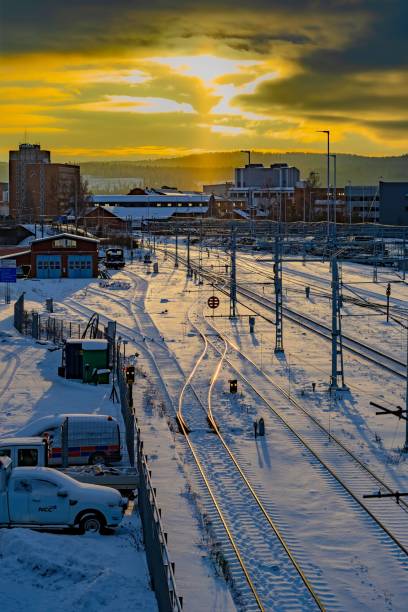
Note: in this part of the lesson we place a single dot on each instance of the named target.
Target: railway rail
(347, 469)
(373, 355)
(203, 452)
(245, 519)
(240, 534)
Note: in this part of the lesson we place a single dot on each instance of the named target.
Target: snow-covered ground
(92, 572)
(350, 563)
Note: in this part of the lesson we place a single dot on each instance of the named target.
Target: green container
(94, 358)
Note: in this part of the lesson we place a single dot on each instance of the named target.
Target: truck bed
(122, 479)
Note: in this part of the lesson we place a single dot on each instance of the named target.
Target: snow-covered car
(44, 498)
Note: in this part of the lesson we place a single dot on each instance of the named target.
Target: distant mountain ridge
(192, 171)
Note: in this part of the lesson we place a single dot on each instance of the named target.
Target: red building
(60, 256)
(103, 222)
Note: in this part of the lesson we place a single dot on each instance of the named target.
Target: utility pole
(406, 400)
(334, 156)
(200, 255)
(337, 373)
(233, 276)
(278, 294)
(249, 155)
(188, 256)
(176, 263)
(327, 132)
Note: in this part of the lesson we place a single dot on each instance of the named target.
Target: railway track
(342, 464)
(256, 542)
(251, 563)
(196, 430)
(391, 364)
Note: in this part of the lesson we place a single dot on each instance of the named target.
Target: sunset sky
(125, 79)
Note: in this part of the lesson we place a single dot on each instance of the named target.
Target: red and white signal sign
(213, 301)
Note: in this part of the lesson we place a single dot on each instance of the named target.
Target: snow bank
(71, 572)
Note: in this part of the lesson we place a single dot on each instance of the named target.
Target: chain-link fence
(161, 568)
(127, 408)
(44, 326)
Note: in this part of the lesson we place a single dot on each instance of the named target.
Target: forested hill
(192, 171)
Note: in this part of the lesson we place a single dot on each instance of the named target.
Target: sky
(129, 79)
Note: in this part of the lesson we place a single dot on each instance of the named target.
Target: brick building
(102, 222)
(40, 189)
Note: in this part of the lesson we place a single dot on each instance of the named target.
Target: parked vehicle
(114, 259)
(90, 438)
(25, 452)
(43, 498)
(35, 451)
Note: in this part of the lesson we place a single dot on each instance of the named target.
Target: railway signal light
(233, 386)
(388, 293)
(130, 375)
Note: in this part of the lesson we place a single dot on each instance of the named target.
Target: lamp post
(349, 200)
(251, 212)
(334, 156)
(327, 132)
(249, 155)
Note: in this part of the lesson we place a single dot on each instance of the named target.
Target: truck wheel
(91, 523)
(97, 458)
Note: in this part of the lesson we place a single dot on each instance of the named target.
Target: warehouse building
(60, 256)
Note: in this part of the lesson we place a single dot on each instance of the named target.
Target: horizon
(156, 158)
(98, 81)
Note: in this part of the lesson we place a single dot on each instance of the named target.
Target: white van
(91, 438)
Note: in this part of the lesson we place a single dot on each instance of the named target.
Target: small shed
(95, 357)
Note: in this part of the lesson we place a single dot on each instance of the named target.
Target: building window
(64, 243)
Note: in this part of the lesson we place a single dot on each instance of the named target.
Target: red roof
(13, 250)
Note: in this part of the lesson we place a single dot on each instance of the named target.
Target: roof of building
(12, 254)
(171, 197)
(66, 235)
(129, 212)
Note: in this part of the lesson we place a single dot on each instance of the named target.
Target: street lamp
(327, 132)
(249, 155)
(334, 156)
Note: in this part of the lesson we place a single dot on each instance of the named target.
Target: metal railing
(161, 568)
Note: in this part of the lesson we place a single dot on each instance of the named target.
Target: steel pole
(176, 264)
(333, 383)
(406, 400)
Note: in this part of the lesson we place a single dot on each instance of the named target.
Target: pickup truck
(34, 451)
(43, 498)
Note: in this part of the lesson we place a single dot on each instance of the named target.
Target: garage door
(48, 266)
(80, 266)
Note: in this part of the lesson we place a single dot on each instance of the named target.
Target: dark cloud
(339, 94)
(81, 24)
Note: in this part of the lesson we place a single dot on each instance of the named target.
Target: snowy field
(349, 561)
(92, 572)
